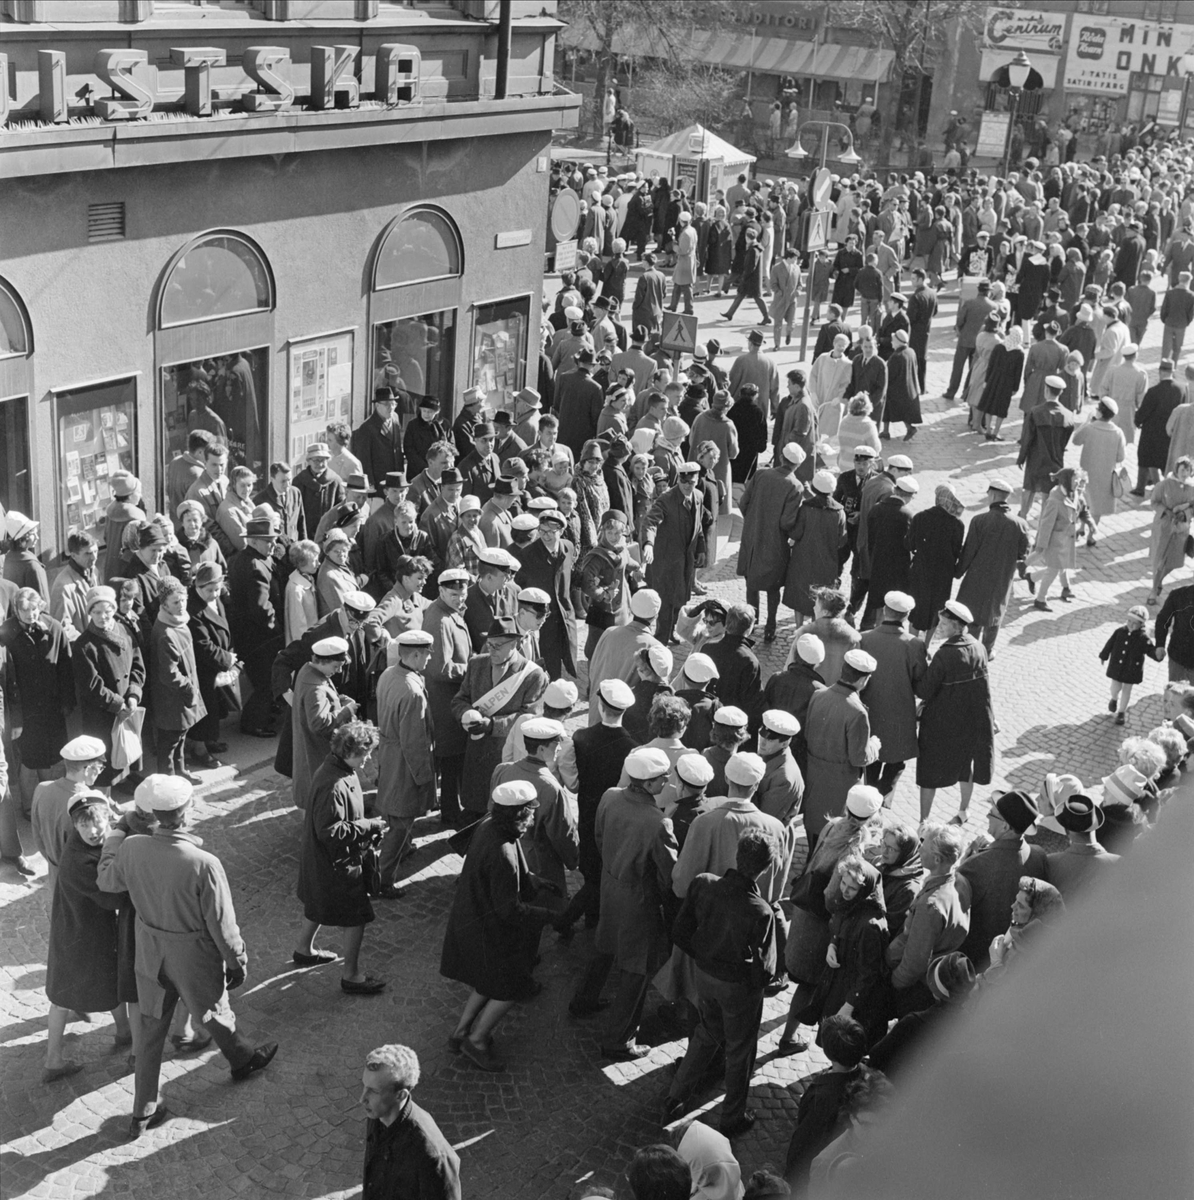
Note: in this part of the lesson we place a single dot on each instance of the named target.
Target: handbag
(228, 688)
(126, 739)
(371, 870)
(1119, 483)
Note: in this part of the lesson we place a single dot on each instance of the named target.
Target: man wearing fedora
(422, 433)
(1083, 861)
(351, 512)
(480, 468)
(253, 622)
(319, 487)
(579, 401)
(994, 873)
(377, 442)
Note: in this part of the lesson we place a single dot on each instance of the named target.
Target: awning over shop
(994, 59)
(764, 55)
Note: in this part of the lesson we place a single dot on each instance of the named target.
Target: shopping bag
(126, 739)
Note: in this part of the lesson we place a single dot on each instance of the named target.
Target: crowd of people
(407, 625)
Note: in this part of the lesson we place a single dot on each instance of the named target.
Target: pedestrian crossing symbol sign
(679, 333)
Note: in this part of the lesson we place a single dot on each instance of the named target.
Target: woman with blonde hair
(857, 429)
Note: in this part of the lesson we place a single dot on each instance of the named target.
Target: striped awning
(764, 55)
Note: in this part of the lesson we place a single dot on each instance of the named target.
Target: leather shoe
(739, 1125)
(674, 1107)
(190, 1045)
(630, 1053)
(53, 1074)
(790, 1046)
(363, 987)
(485, 1059)
(313, 960)
(138, 1125)
(262, 1057)
(21, 863)
(216, 747)
(390, 892)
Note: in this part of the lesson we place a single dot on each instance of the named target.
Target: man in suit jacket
(647, 309)
(547, 564)
(377, 442)
(480, 468)
(253, 621)
(492, 596)
(972, 315)
(994, 873)
(579, 401)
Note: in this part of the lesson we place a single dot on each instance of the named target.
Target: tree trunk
(605, 61)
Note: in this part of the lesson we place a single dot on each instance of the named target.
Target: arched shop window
(415, 297)
(16, 350)
(218, 275)
(213, 346)
(421, 245)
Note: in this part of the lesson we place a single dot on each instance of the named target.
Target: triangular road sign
(678, 333)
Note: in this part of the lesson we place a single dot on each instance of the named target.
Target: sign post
(814, 236)
(678, 333)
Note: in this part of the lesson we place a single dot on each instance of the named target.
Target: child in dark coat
(1124, 655)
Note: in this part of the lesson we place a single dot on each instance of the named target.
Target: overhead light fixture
(849, 156)
(796, 150)
(1018, 69)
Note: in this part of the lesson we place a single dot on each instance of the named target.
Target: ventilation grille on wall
(105, 222)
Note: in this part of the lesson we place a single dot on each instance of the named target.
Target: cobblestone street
(560, 1113)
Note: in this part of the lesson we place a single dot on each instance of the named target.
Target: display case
(500, 350)
(97, 437)
(319, 389)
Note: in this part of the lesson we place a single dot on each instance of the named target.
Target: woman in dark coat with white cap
(493, 928)
(935, 538)
(903, 388)
(817, 541)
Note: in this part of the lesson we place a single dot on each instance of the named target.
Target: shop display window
(97, 437)
(219, 276)
(16, 490)
(14, 334)
(421, 245)
(414, 356)
(320, 387)
(500, 350)
(224, 394)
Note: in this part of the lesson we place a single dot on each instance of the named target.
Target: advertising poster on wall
(319, 389)
(1105, 51)
(1023, 29)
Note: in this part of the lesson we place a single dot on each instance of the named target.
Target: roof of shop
(714, 147)
(767, 55)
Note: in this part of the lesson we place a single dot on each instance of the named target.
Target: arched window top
(217, 275)
(16, 334)
(421, 244)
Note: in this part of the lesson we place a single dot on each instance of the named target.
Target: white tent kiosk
(696, 160)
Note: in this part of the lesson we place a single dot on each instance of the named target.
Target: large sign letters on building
(1024, 29)
(1105, 51)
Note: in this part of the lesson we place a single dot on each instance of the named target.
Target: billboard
(1024, 29)
(1104, 51)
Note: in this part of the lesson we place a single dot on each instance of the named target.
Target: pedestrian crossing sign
(679, 332)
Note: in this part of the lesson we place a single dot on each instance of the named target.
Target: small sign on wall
(512, 237)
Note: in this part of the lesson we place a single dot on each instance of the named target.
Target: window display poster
(320, 390)
(95, 439)
(499, 351)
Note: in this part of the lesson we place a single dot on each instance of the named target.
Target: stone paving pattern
(559, 1114)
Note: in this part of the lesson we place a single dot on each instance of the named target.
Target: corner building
(249, 215)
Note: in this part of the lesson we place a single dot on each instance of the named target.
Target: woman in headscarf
(1037, 905)
(592, 496)
(716, 1174)
(851, 983)
(808, 936)
(1057, 535)
(901, 871)
(988, 338)
(1074, 396)
(1004, 373)
(1103, 449)
(935, 538)
(1173, 504)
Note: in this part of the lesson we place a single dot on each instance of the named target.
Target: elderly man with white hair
(638, 854)
(405, 1152)
(189, 945)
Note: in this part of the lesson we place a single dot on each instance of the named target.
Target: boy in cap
(781, 790)
(793, 688)
(177, 886)
(696, 685)
(317, 708)
(83, 760)
(694, 774)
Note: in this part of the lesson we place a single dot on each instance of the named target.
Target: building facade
(246, 216)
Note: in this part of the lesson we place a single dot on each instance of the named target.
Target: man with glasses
(451, 649)
(674, 540)
(493, 595)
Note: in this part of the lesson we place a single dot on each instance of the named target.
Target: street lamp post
(1186, 66)
(798, 152)
(1017, 76)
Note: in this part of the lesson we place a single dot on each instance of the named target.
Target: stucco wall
(317, 216)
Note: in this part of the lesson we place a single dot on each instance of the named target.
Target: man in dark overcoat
(674, 546)
(770, 504)
(547, 564)
(1151, 419)
(253, 621)
(377, 442)
(957, 723)
(887, 546)
(996, 543)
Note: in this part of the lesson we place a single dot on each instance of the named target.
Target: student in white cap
(956, 742)
(729, 732)
(901, 659)
(996, 544)
(552, 844)
(558, 702)
(730, 928)
(600, 752)
(317, 708)
(450, 651)
(332, 884)
(878, 486)
(614, 655)
(82, 961)
(781, 791)
(819, 539)
(693, 776)
(792, 688)
(406, 753)
(840, 744)
(695, 685)
(549, 564)
(177, 886)
(492, 953)
(891, 560)
(493, 594)
(83, 759)
(654, 668)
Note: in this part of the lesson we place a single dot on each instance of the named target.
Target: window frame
(209, 235)
(388, 232)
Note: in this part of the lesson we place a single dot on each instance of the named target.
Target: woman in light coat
(1103, 448)
(988, 338)
(1057, 533)
(1173, 504)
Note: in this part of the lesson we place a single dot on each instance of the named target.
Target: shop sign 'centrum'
(127, 72)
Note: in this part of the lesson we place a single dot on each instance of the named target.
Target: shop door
(16, 488)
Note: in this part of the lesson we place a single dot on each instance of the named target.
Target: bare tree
(661, 29)
(668, 96)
